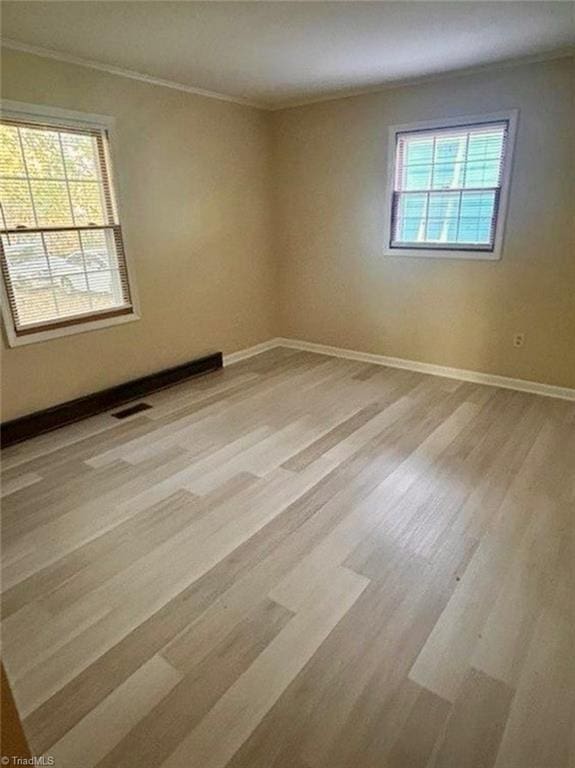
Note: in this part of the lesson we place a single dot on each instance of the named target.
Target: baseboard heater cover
(37, 423)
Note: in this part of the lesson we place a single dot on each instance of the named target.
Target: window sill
(69, 330)
(436, 253)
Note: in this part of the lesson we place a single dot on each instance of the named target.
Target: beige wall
(193, 176)
(336, 286)
(233, 216)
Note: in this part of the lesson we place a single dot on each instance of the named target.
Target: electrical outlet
(519, 340)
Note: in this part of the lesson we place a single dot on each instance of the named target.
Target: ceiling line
(551, 55)
(49, 53)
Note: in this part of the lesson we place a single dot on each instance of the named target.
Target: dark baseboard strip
(74, 410)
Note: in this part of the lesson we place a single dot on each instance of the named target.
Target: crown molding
(557, 53)
(48, 53)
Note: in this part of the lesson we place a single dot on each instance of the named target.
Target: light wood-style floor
(298, 562)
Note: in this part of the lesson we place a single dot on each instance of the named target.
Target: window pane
(418, 151)
(484, 145)
(11, 162)
(80, 156)
(87, 202)
(411, 205)
(448, 175)
(72, 294)
(52, 203)
(475, 231)
(443, 205)
(450, 148)
(417, 163)
(410, 221)
(477, 204)
(62, 243)
(482, 173)
(42, 153)
(442, 216)
(441, 230)
(26, 260)
(476, 217)
(16, 204)
(99, 250)
(449, 161)
(36, 303)
(105, 288)
(416, 177)
(64, 253)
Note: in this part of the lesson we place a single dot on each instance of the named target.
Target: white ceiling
(276, 53)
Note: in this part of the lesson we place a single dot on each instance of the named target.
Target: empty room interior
(288, 384)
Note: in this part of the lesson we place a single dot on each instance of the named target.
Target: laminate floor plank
(297, 562)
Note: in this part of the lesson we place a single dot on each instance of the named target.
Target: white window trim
(465, 252)
(40, 113)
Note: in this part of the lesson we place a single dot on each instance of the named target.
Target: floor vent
(131, 410)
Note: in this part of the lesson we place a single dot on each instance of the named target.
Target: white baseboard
(476, 377)
(257, 349)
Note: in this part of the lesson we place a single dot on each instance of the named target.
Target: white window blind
(61, 248)
(447, 187)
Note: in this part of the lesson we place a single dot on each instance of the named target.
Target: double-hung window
(64, 269)
(448, 187)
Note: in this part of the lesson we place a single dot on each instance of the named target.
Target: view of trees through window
(447, 184)
(61, 246)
